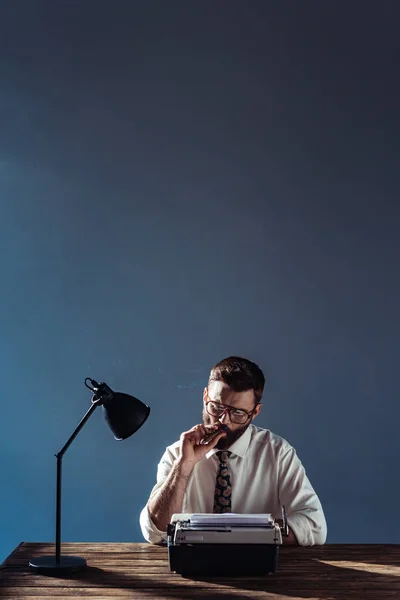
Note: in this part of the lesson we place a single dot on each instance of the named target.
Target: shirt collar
(239, 447)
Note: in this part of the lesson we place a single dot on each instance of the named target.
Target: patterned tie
(223, 489)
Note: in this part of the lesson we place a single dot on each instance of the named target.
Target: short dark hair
(240, 374)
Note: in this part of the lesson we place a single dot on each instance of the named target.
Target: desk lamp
(124, 415)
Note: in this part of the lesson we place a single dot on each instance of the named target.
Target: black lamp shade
(124, 414)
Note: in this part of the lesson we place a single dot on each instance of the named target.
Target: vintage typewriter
(228, 544)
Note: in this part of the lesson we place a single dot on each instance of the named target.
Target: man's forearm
(169, 498)
(291, 539)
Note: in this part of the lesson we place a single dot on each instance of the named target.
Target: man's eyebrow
(229, 405)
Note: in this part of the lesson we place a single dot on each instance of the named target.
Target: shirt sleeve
(150, 532)
(303, 509)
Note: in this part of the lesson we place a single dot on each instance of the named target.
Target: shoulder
(269, 441)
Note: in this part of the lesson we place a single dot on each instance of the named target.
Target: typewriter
(228, 544)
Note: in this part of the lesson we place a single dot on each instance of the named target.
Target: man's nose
(224, 418)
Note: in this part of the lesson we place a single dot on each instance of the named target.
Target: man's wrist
(183, 468)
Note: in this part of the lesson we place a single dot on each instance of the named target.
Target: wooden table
(141, 571)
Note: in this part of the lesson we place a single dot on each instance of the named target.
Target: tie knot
(223, 456)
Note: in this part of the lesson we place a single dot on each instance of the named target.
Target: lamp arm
(59, 456)
(85, 417)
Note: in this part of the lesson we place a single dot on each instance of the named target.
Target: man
(244, 470)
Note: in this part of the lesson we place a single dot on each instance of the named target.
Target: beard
(231, 436)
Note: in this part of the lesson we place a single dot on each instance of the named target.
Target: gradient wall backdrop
(181, 181)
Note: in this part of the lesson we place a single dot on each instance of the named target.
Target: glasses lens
(238, 416)
(215, 409)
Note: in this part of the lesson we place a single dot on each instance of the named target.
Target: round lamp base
(48, 565)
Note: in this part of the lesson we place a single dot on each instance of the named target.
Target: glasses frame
(228, 408)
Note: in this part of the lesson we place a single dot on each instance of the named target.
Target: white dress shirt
(266, 473)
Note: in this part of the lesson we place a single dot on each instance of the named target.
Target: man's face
(220, 392)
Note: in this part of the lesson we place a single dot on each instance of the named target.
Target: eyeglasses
(236, 415)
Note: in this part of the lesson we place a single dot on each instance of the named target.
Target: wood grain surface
(141, 571)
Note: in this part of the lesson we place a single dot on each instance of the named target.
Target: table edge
(4, 563)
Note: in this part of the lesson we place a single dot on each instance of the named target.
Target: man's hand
(190, 450)
(169, 497)
(289, 540)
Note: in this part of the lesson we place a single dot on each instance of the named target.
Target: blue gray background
(182, 181)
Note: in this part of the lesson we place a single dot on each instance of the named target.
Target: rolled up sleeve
(304, 511)
(150, 532)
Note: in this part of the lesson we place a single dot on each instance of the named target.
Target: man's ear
(205, 393)
(257, 410)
